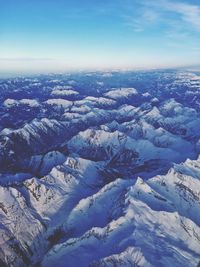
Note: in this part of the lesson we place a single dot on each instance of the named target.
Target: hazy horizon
(58, 36)
(16, 74)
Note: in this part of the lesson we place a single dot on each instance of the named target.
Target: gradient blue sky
(59, 35)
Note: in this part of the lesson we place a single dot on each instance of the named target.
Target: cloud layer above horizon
(50, 35)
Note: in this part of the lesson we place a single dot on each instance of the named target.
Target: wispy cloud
(167, 12)
(189, 13)
(144, 18)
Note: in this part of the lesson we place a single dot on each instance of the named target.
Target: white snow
(121, 93)
(59, 102)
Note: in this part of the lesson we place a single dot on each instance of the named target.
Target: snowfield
(103, 175)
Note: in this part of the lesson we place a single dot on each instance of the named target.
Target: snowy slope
(100, 169)
(158, 224)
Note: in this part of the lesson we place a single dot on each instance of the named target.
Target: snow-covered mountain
(99, 169)
(155, 222)
(152, 223)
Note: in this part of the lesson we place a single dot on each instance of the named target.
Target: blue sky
(59, 35)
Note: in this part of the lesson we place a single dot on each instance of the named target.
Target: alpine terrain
(100, 169)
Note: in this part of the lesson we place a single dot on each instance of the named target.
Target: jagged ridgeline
(100, 169)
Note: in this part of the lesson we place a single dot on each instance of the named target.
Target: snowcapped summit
(121, 93)
(29, 102)
(59, 102)
(64, 92)
(151, 217)
(94, 172)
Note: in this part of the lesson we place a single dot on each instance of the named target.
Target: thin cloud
(147, 13)
(188, 13)
(142, 20)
